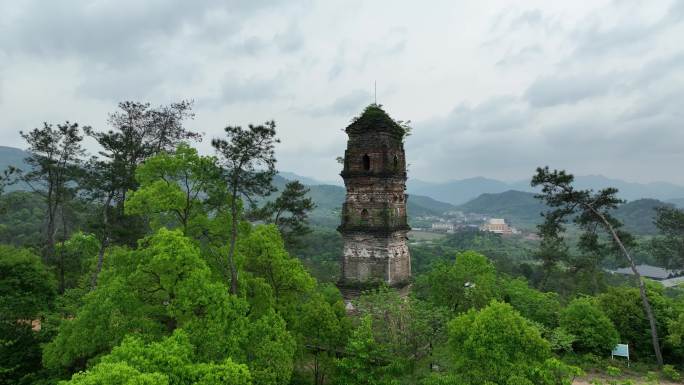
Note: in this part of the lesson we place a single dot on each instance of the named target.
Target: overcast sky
(493, 88)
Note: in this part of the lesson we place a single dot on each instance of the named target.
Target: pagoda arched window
(366, 162)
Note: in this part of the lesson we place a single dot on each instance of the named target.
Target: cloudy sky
(493, 88)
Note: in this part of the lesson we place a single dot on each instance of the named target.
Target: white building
(498, 226)
(443, 226)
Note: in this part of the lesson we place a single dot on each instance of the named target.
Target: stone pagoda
(374, 225)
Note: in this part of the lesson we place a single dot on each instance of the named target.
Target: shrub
(671, 373)
(613, 371)
(531, 303)
(497, 344)
(467, 283)
(594, 331)
(624, 307)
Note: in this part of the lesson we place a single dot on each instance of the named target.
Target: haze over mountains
(461, 191)
(513, 201)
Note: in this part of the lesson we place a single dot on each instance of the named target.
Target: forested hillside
(522, 209)
(458, 192)
(677, 202)
(153, 264)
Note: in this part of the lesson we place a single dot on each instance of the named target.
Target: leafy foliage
(270, 349)
(170, 361)
(365, 361)
(669, 247)
(594, 330)
(180, 189)
(591, 212)
(532, 304)
(409, 328)
(468, 282)
(248, 158)
(497, 345)
(27, 292)
(55, 156)
(290, 212)
(265, 257)
(323, 329)
(624, 308)
(152, 291)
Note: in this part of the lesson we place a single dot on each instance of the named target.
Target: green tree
(152, 291)
(552, 251)
(176, 187)
(675, 337)
(364, 361)
(27, 291)
(265, 257)
(591, 211)
(248, 157)
(669, 246)
(171, 361)
(408, 328)
(323, 328)
(73, 257)
(22, 222)
(497, 345)
(7, 178)
(532, 304)
(624, 307)
(55, 157)
(270, 350)
(469, 282)
(290, 212)
(138, 132)
(595, 332)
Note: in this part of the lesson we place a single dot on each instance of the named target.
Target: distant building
(648, 271)
(532, 237)
(443, 226)
(498, 226)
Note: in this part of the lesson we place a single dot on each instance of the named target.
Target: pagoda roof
(374, 118)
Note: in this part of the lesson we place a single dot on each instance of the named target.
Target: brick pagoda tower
(374, 224)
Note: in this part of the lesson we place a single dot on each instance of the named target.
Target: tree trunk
(233, 240)
(642, 288)
(104, 243)
(62, 272)
(50, 235)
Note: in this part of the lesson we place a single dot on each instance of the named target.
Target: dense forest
(149, 263)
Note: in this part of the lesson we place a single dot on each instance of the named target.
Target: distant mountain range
(10, 156)
(458, 192)
(513, 201)
(677, 202)
(523, 210)
(519, 208)
(461, 191)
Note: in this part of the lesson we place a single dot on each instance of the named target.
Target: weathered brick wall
(373, 223)
(376, 257)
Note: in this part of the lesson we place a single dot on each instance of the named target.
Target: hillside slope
(517, 207)
(10, 156)
(461, 191)
(522, 209)
(679, 202)
(458, 191)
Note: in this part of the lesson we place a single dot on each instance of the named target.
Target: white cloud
(492, 88)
